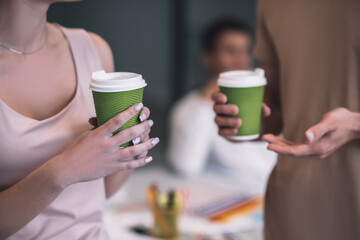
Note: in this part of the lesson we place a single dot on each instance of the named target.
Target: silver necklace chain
(25, 53)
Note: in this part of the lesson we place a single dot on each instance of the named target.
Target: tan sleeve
(264, 48)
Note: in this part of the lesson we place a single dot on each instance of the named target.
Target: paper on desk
(208, 197)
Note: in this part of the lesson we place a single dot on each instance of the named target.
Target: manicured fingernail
(148, 159)
(136, 140)
(311, 136)
(151, 123)
(155, 141)
(109, 136)
(231, 111)
(139, 107)
(143, 117)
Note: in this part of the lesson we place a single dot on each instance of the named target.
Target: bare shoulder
(104, 51)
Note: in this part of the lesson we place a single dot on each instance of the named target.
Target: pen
(171, 200)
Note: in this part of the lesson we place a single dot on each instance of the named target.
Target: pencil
(151, 194)
(245, 208)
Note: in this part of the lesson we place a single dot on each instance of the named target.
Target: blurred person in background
(310, 51)
(194, 141)
(56, 171)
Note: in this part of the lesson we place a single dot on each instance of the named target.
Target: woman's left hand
(144, 114)
(336, 128)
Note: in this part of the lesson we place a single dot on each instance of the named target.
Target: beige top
(317, 47)
(27, 143)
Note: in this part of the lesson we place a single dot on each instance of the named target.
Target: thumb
(266, 110)
(317, 131)
(219, 98)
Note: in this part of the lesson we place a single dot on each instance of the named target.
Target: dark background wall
(199, 14)
(157, 38)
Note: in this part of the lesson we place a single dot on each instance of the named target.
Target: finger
(283, 146)
(270, 138)
(266, 110)
(116, 122)
(228, 109)
(228, 122)
(144, 114)
(318, 131)
(129, 134)
(300, 150)
(93, 122)
(127, 165)
(142, 138)
(144, 154)
(228, 132)
(280, 149)
(126, 153)
(219, 98)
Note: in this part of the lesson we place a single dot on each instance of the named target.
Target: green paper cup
(114, 93)
(246, 90)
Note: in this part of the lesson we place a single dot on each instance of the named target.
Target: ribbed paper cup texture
(113, 93)
(246, 90)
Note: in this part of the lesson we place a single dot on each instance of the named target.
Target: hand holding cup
(96, 153)
(115, 92)
(245, 91)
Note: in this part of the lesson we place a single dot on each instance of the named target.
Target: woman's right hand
(96, 153)
(227, 124)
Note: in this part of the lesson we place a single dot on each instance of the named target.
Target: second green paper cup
(246, 90)
(114, 93)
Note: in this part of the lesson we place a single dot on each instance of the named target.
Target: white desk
(128, 207)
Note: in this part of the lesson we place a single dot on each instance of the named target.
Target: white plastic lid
(116, 81)
(243, 78)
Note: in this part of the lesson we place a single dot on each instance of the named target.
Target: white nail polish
(142, 117)
(148, 159)
(311, 136)
(136, 140)
(155, 141)
(110, 135)
(139, 107)
(151, 123)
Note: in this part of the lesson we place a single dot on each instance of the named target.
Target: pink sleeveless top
(26, 143)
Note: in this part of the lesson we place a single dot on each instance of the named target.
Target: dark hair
(215, 28)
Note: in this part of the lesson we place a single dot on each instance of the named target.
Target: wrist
(355, 125)
(55, 173)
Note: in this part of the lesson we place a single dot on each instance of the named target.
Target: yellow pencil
(151, 194)
(238, 210)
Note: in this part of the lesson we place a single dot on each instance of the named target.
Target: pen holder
(166, 209)
(166, 223)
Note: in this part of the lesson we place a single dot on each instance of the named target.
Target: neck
(23, 24)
